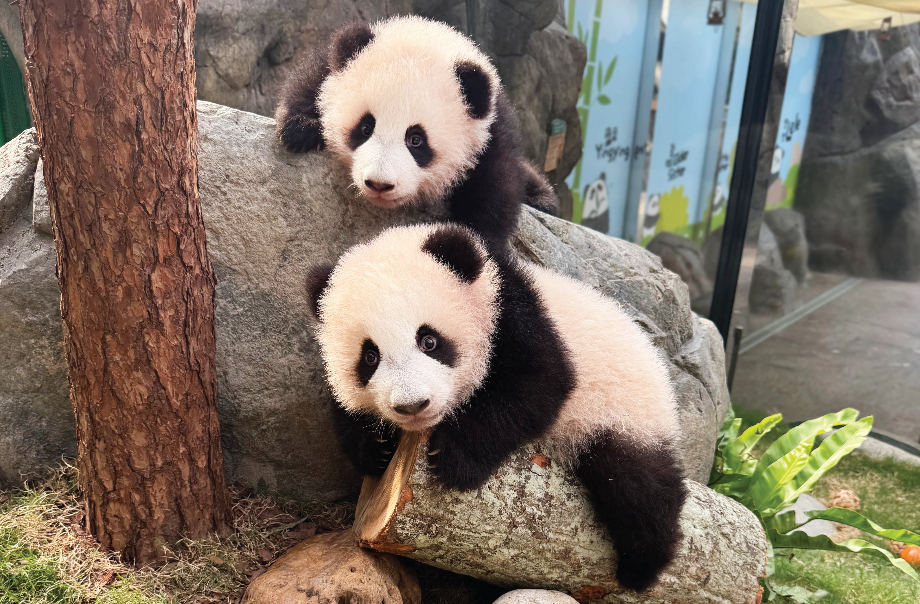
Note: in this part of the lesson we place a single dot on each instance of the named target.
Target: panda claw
(380, 439)
(435, 452)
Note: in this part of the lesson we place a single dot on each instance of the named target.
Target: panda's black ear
(347, 42)
(475, 87)
(454, 247)
(317, 281)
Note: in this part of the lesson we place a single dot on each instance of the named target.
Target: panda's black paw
(452, 463)
(300, 134)
(637, 572)
(375, 449)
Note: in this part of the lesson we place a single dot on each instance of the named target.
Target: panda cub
(418, 113)
(423, 329)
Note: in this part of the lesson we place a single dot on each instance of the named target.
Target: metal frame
(744, 172)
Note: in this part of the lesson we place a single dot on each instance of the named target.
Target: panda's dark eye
(366, 130)
(428, 343)
(371, 358)
(415, 141)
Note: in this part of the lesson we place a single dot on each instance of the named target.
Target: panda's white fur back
(622, 382)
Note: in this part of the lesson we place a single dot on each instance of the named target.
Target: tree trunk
(532, 526)
(112, 86)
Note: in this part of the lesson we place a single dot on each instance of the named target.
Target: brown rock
(331, 568)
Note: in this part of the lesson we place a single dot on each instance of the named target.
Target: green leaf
(857, 520)
(727, 424)
(799, 594)
(610, 68)
(806, 431)
(783, 523)
(832, 450)
(737, 453)
(581, 33)
(777, 480)
(731, 485)
(800, 540)
(603, 99)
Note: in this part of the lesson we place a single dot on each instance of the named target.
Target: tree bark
(112, 86)
(532, 526)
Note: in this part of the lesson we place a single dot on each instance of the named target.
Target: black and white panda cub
(418, 113)
(421, 328)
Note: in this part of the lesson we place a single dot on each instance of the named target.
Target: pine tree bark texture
(112, 86)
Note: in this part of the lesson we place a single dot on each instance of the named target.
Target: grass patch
(46, 556)
(888, 491)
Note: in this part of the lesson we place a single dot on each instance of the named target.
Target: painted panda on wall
(418, 113)
(421, 329)
(596, 210)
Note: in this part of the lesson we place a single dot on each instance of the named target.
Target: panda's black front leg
(368, 442)
(638, 493)
(467, 447)
(297, 116)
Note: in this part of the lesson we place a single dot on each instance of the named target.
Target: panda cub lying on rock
(422, 329)
(418, 113)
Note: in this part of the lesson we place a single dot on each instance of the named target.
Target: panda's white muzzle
(385, 172)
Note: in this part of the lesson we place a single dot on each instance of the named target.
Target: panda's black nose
(411, 408)
(380, 187)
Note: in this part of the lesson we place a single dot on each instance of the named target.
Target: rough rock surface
(36, 421)
(859, 181)
(774, 289)
(535, 596)
(788, 228)
(331, 568)
(681, 255)
(533, 526)
(17, 171)
(41, 211)
(269, 216)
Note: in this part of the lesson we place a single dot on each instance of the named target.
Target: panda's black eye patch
(362, 131)
(417, 143)
(436, 346)
(368, 362)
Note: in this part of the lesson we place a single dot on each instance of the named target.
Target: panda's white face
(402, 336)
(396, 112)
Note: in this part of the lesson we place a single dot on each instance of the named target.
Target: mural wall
(716, 215)
(696, 115)
(793, 122)
(689, 70)
(614, 33)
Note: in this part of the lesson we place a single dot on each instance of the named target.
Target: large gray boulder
(269, 216)
(684, 257)
(859, 181)
(788, 229)
(774, 288)
(17, 172)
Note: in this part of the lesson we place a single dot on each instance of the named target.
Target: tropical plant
(791, 466)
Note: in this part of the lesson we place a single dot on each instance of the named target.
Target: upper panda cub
(422, 329)
(418, 113)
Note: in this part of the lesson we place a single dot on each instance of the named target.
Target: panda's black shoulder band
(454, 247)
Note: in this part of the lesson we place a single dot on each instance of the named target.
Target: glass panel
(835, 300)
